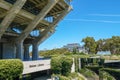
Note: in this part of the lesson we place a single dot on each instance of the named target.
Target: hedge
(10, 69)
(71, 76)
(61, 65)
(56, 65)
(105, 76)
(87, 73)
(94, 68)
(114, 72)
(66, 65)
(63, 78)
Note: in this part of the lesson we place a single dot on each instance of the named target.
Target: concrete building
(75, 46)
(72, 46)
(28, 22)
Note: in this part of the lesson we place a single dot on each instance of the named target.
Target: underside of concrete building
(28, 22)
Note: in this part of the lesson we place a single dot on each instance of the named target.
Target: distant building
(75, 46)
(104, 53)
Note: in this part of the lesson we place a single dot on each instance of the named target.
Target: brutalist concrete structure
(28, 22)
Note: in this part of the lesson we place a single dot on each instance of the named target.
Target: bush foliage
(104, 75)
(10, 69)
(61, 65)
(114, 72)
(49, 53)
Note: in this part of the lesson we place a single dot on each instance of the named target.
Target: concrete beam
(33, 24)
(35, 54)
(7, 6)
(38, 19)
(52, 26)
(45, 37)
(11, 14)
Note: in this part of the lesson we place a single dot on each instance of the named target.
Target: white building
(76, 46)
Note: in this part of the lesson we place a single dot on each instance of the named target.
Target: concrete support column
(8, 50)
(26, 52)
(52, 26)
(80, 64)
(38, 19)
(19, 50)
(1, 50)
(35, 54)
(11, 14)
(48, 72)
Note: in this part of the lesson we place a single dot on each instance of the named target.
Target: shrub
(75, 76)
(114, 72)
(104, 75)
(94, 68)
(10, 69)
(87, 73)
(56, 65)
(66, 65)
(61, 65)
(71, 76)
(63, 78)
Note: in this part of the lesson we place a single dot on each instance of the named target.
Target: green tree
(100, 43)
(112, 45)
(90, 45)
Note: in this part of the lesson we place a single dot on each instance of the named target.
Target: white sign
(35, 66)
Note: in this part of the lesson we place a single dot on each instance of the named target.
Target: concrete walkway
(43, 78)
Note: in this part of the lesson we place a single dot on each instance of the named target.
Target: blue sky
(95, 18)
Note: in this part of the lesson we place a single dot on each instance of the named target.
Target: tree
(90, 45)
(111, 44)
(99, 44)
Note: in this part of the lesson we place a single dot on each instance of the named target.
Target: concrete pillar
(8, 50)
(11, 14)
(53, 25)
(1, 50)
(26, 52)
(48, 72)
(39, 17)
(80, 64)
(35, 54)
(19, 50)
(73, 66)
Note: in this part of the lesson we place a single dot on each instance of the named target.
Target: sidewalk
(43, 78)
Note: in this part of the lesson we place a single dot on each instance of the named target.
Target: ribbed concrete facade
(28, 22)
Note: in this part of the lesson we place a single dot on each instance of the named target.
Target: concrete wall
(9, 51)
(0, 50)
(35, 66)
(73, 66)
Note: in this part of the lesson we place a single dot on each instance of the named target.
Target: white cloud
(109, 15)
(89, 20)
